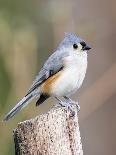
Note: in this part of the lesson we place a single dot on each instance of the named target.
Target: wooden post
(53, 133)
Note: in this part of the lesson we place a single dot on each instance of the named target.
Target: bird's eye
(75, 46)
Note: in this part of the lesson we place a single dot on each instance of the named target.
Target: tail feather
(41, 99)
(19, 106)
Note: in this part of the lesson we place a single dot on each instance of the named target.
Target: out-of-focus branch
(53, 133)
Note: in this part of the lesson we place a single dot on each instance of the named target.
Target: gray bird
(61, 75)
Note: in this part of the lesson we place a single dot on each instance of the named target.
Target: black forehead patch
(83, 44)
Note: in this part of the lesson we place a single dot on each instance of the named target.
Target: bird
(61, 75)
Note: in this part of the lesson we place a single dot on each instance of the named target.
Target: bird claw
(72, 111)
(68, 104)
(78, 107)
(74, 103)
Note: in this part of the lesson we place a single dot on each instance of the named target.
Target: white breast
(72, 76)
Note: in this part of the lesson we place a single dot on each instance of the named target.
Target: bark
(53, 133)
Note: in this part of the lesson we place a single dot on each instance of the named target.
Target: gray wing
(51, 67)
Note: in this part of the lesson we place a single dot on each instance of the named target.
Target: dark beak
(86, 48)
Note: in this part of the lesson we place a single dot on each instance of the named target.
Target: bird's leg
(60, 101)
(66, 104)
(72, 102)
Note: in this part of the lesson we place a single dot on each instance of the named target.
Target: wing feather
(53, 65)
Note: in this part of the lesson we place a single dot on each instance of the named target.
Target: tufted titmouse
(61, 75)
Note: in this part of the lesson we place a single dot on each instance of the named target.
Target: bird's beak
(86, 48)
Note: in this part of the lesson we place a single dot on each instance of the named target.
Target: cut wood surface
(53, 133)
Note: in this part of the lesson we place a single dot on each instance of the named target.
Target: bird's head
(74, 43)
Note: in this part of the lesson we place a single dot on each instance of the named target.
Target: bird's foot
(72, 102)
(78, 106)
(67, 105)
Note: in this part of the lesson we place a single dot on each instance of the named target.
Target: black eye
(75, 46)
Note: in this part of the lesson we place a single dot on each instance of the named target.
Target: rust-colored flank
(46, 87)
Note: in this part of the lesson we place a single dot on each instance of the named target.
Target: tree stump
(52, 133)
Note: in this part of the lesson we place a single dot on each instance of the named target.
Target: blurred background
(29, 32)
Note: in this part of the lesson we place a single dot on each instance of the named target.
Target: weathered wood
(53, 133)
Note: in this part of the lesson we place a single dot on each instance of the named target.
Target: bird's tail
(21, 104)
